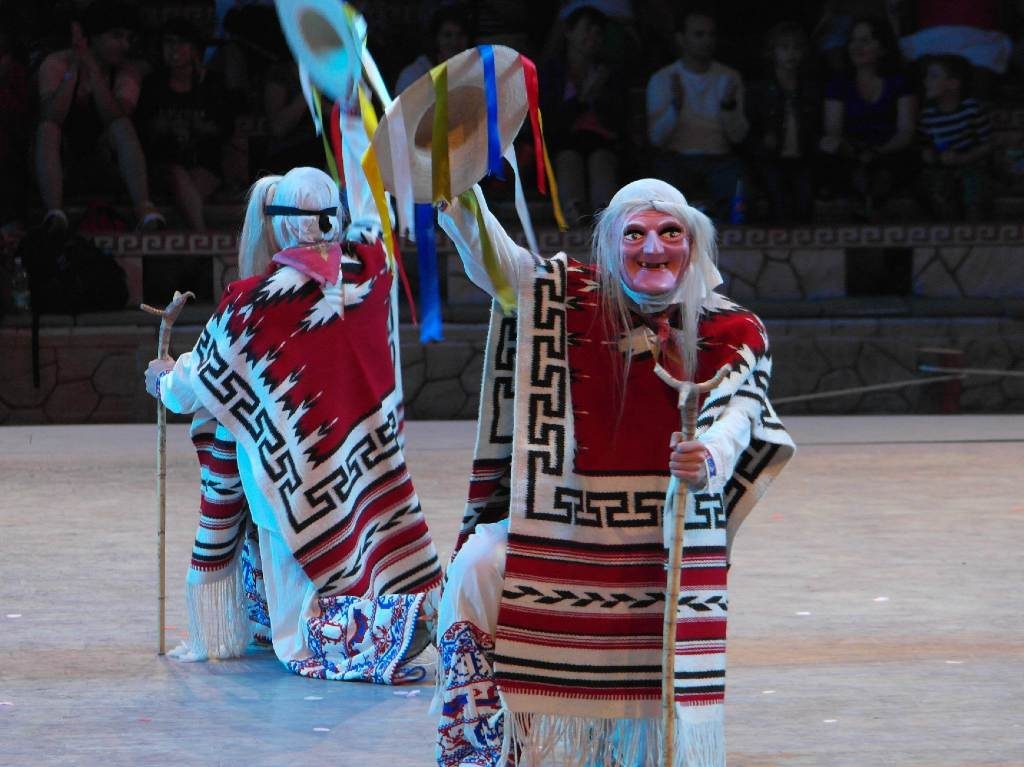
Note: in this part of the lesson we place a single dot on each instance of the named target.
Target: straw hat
(327, 38)
(467, 121)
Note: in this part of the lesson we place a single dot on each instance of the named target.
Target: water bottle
(738, 205)
(20, 296)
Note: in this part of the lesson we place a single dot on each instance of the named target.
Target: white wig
(264, 235)
(699, 280)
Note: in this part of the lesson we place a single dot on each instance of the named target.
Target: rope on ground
(864, 389)
(955, 374)
(972, 371)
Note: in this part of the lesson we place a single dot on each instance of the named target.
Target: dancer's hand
(154, 371)
(686, 462)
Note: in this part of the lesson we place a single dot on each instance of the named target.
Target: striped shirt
(961, 130)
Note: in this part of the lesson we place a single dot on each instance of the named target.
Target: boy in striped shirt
(956, 138)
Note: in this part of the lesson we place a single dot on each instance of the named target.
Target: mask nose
(652, 243)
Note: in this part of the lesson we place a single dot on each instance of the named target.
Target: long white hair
(263, 236)
(699, 280)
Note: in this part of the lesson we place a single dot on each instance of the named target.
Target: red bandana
(321, 260)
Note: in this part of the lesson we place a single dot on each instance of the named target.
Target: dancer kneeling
(550, 624)
(298, 368)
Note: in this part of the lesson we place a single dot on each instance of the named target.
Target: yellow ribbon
(323, 130)
(440, 171)
(372, 170)
(502, 290)
(552, 184)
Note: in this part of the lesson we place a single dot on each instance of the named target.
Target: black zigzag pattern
(582, 598)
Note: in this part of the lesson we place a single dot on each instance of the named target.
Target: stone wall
(967, 296)
(94, 374)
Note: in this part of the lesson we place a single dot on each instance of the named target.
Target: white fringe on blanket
(545, 740)
(218, 622)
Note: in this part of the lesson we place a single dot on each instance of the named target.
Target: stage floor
(876, 608)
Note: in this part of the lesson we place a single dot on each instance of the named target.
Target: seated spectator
(869, 118)
(14, 139)
(184, 117)
(784, 112)
(449, 34)
(581, 99)
(87, 95)
(695, 115)
(292, 141)
(957, 142)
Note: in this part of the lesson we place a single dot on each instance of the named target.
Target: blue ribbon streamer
(430, 285)
(494, 165)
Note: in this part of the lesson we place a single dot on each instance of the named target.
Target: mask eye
(632, 235)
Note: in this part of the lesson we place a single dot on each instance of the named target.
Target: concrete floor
(875, 599)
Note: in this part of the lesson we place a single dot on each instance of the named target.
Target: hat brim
(325, 41)
(467, 121)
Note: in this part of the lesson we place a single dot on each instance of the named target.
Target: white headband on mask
(646, 192)
(312, 195)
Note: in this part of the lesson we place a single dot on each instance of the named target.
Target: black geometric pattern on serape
(368, 492)
(549, 377)
(711, 409)
(717, 602)
(503, 394)
(757, 456)
(593, 508)
(582, 598)
(333, 491)
(709, 510)
(235, 393)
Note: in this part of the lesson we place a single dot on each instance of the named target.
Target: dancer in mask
(550, 624)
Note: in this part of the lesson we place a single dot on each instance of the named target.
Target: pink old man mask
(655, 252)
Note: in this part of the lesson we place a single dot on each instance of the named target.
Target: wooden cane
(167, 317)
(689, 397)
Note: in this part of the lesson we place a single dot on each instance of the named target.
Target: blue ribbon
(494, 164)
(430, 286)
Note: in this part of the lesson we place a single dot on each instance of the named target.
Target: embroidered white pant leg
(290, 596)
(470, 728)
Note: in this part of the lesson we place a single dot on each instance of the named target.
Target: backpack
(69, 274)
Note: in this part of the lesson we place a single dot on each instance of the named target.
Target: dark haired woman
(869, 117)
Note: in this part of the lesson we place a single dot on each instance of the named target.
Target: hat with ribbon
(452, 126)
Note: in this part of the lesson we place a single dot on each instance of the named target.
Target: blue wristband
(160, 378)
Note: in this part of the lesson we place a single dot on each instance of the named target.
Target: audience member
(581, 99)
(449, 34)
(293, 142)
(86, 97)
(695, 115)
(784, 111)
(14, 139)
(184, 116)
(869, 117)
(957, 142)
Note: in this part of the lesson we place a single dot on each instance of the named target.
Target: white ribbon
(307, 93)
(402, 170)
(521, 207)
